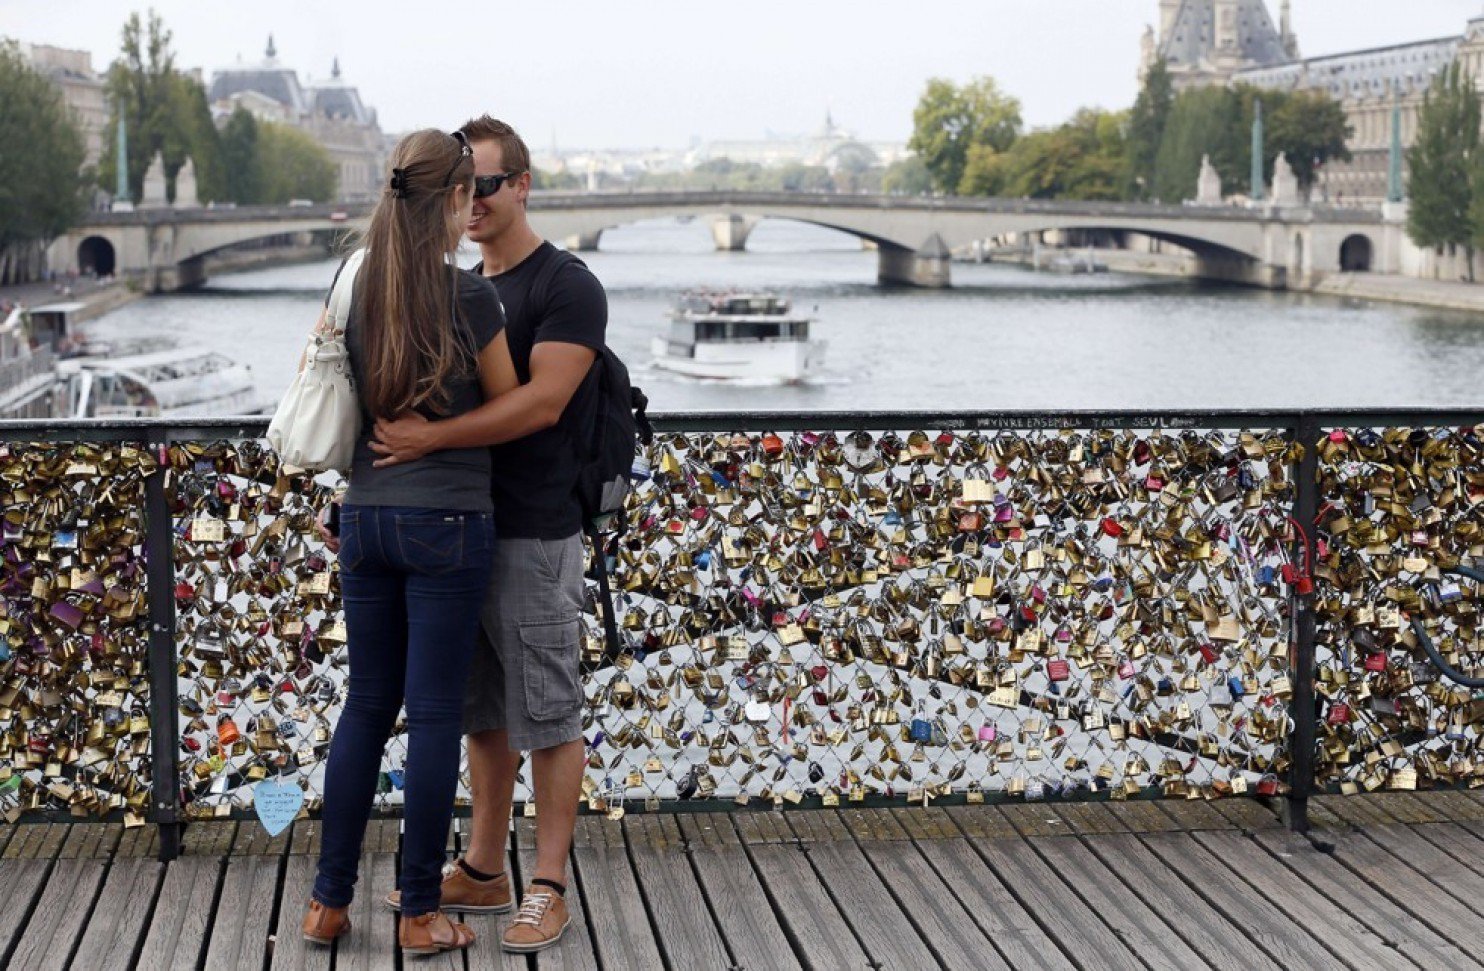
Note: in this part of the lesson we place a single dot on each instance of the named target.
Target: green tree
(797, 177)
(1146, 129)
(166, 113)
(240, 158)
(907, 176)
(984, 171)
(851, 161)
(1202, 121)
(41, 183)
(949, 119)
(1442, 161)
(1086, 158)
(195, 136)
(541, 179)
(294, 166)
(1308, 127)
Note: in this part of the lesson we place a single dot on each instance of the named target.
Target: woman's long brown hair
(407, 285)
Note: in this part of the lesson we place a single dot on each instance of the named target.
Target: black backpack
(605, 460)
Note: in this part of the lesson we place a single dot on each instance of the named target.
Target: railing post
(1301, 710)
(164, 718)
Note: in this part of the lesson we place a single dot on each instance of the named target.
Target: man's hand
(406, 439)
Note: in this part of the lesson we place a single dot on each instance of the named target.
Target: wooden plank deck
(1389, 881)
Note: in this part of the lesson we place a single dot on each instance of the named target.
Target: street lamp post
(121, 200)
(1257, 182)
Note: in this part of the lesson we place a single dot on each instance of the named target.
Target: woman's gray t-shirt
(456, 478)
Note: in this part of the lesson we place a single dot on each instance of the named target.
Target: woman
(416, 542)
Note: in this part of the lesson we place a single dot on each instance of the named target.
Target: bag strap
(339, 308)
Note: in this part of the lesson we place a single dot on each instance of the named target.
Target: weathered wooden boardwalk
(1386, 881)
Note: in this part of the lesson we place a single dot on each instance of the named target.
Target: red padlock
(772, 445)
(1111, 527)
(1375, 662)
(1339, 714)
(1208, 653)
(1057, 669)
(1267, 786)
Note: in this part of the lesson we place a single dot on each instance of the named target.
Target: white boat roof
(174, 355)
(59, 308)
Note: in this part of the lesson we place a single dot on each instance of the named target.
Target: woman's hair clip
(399, 183)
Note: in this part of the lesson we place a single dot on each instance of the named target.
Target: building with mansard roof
(332, 112)
(82, 90)
(1205, 42)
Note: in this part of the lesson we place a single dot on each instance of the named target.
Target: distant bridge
(914, 236)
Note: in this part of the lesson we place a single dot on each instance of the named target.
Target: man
(525, 690)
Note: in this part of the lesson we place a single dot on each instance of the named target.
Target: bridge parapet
(817, 609)
(1266, 245)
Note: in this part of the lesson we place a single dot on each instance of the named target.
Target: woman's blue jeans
(412, 581)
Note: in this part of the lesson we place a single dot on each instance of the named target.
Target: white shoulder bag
(317, 422)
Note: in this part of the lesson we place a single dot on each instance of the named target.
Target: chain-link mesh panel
(918, 612)
(810, 615)
(74, 723)
(1398, 508)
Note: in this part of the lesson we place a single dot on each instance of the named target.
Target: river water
(1002, 338)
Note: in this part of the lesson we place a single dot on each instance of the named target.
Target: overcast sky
(600, 73)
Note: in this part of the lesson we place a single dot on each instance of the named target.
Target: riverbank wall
(267, 258)
(1384, 287)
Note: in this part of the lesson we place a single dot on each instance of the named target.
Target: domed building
(332, 112)
(1205, 42)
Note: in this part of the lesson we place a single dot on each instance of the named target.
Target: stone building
(1207, 42)
(82, 90)
(331, 112)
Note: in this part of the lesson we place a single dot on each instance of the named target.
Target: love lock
(1425, 639)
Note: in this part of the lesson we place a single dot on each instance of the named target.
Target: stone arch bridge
(1267, 246)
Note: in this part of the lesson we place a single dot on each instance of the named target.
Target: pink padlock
(986, 733)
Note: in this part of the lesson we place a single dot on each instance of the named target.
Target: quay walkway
(1392, 880)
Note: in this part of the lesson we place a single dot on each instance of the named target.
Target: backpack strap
(614, 647)
(540, 290)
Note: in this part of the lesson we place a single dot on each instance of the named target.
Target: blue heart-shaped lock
(277, 802)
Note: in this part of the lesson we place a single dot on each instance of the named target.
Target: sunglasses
(488, 185)
(464, 152)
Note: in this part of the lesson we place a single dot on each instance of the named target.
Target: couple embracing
(460, 538)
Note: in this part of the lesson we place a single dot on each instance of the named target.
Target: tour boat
(148, 377)
(169, 381)
(29, 384)
(731, 336)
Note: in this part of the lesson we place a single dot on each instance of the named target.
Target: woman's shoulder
(479, 301)
(475, 284)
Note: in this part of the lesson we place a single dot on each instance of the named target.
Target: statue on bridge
(154, 185)
(1285, 183)
(185, 186)
(1208, 186)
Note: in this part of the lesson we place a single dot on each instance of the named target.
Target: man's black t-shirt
(534, 479)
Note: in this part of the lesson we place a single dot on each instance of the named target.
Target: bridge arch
(96, 255)
(916, 232)
(1356, 253)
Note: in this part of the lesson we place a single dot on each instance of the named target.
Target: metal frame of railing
(1302, 426)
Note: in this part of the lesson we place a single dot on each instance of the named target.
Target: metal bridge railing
(817, 609)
